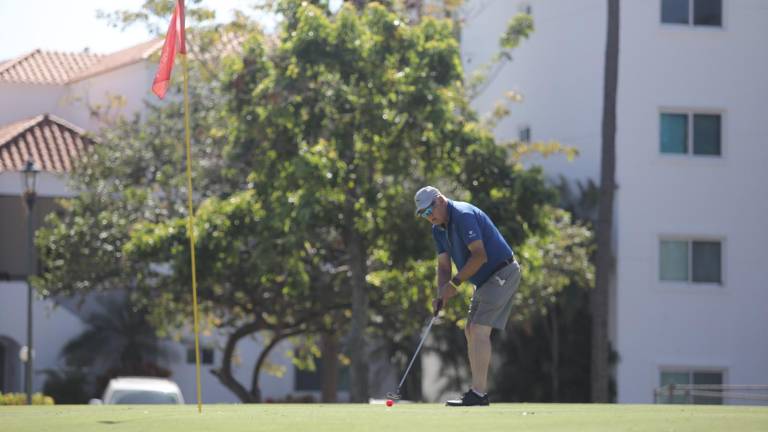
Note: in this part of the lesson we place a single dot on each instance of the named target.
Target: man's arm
(444, 275)
(446, 288)
(476, 260)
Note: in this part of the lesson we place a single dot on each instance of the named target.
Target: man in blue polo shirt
(465, 235)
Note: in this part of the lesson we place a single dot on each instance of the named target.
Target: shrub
(21, 399)
(66, 386)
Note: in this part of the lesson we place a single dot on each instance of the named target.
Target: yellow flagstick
(191, 230)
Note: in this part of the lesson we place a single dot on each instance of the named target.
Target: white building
(690, 300)
(46, 105)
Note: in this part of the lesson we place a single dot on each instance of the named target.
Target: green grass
(378, 418)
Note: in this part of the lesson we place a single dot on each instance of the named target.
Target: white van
(140, 390)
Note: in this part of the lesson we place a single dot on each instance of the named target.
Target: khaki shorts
(492, 302)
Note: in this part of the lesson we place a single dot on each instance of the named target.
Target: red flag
(174, 37)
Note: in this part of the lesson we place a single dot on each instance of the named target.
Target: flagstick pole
(191, 230)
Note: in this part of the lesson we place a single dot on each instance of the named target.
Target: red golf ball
(390, 402)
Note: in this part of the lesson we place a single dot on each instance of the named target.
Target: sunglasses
(427, 212)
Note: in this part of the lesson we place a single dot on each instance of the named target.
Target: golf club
(396, 394)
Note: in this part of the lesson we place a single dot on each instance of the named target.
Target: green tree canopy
(309, 147)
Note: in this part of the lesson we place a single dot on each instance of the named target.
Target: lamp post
(29, 179)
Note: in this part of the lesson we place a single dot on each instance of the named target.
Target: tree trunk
(277, 337)
(358, 350)
(600, 373)
(330, 355)
(225, 373)
(228, 381)
(555, 347)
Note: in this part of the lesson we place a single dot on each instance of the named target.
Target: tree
(600, 370)
(135, 175)
(66, 386)
(309, 148)
(257, 273)
(558, 276)
(353, 112)
(118, 340)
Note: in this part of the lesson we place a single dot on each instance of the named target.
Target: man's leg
(469, 346)
(479, 342)
(479, 358)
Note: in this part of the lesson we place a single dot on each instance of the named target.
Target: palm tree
(600, 372)
(118, 339)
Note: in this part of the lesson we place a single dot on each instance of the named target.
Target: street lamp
(29, 179)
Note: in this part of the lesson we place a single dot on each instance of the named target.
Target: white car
(140, 390)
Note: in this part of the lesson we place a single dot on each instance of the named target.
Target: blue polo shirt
(467, 223)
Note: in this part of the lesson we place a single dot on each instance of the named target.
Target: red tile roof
(52, 143)
(47, 67)
(50, 67)
(121, 58)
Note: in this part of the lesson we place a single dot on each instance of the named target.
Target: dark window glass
(674, 133)
(674, 11)
(706, 134)
(307, 380)
(673, 260)
(144, 397)
(525, 134)
(706, 262)
(206, 355)
(708, 12)
(674, 378)
(680, 396)
(708, 378)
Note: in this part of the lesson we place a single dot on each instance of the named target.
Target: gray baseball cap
(424, 197)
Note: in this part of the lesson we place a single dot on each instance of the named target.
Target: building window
(674, 11)
(686, 395)
(706, 134)
(708, 13)
(524, 134)
(206, 355)
(307, 380)
(697, 12)
(690, 133)
(674, 133)
(690, 261)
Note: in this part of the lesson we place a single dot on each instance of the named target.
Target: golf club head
(393, 395)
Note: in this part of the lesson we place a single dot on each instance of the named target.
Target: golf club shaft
(423, 337)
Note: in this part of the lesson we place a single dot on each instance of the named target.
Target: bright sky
(71, 25)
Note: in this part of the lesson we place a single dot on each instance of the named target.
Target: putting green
(375, 418)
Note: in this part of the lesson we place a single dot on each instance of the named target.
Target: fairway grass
(378, 418)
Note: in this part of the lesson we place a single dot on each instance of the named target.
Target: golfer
(465, 234)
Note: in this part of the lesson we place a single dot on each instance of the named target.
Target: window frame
(690, 25)
(661, 15)
(690, 114)
(689, 243)
(524, 129)
(190, 355)
(691, 370)
(300, 386)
